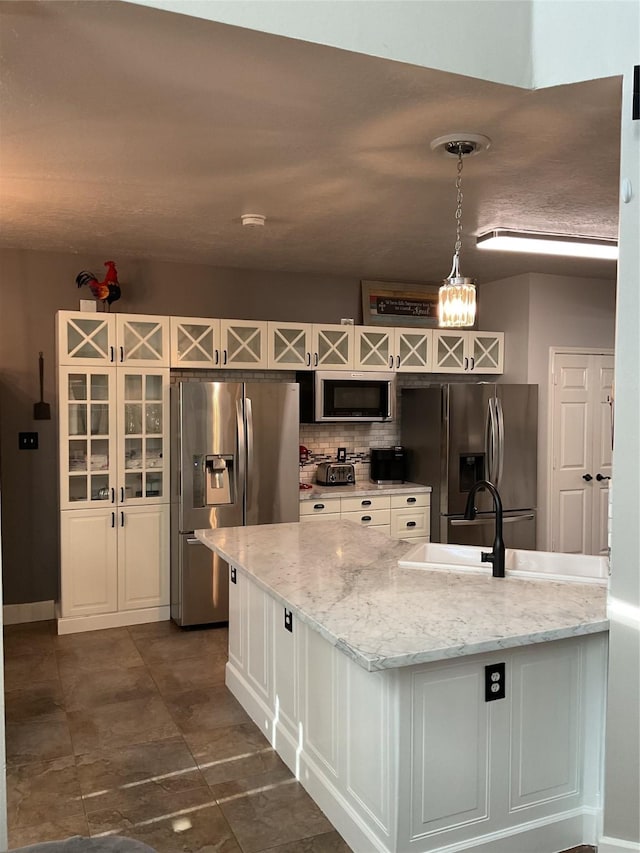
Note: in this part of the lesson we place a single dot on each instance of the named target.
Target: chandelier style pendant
(457, 295)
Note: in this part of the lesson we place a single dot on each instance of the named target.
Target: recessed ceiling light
(539, 242)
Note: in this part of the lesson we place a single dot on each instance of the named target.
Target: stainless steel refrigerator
(234, 461)
(457, 433)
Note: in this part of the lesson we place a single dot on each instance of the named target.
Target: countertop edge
(371, 663)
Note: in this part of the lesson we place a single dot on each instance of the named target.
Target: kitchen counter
(366, 487)
(344, 582)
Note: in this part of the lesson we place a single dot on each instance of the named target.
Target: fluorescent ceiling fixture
(548, 244)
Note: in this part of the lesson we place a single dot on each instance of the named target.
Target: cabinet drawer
(368, 517)
(320, 506)
(321, 516)
(409, 522)
(365, 502)
(410, 500)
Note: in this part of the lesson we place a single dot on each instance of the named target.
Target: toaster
(335, 474)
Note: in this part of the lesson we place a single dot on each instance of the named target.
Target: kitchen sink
(528, 565)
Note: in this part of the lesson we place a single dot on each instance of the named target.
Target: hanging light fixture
(457, 295)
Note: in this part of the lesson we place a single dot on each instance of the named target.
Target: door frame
(551, 413)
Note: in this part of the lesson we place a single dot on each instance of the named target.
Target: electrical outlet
(27, 441)
(494, 682)
(342, 454)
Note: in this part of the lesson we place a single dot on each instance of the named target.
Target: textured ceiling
(128, 131)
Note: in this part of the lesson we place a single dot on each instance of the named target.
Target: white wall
(488, 39)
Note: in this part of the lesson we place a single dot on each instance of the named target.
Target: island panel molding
(412, 757)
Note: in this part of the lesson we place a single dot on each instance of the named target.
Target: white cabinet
(420, 757)
(290, 346)
(243, 344)
(143, 557)
(209, 342)
(404, 350)
(88, 556)
(88, 339)
(112, 560)
(467, 352)
(404, 515)
(114, 436)
(195, 342)
(332, 346)
(114, 478)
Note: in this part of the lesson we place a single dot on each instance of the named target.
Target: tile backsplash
(323, 441)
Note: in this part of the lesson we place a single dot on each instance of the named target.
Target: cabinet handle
(113, 494)
(121, 519)
(121, 354)
(288, 620)
(224, 361)
(411, 523)
(473, 362)
(366, 518)
(234, 577)
(308, 359)
(601, 477)
(121, 494)
(113, 519)
(112, 354)
(318, 506)
(397, 361)
(390, 362)
(411, 500)
(365, 503)
(217, 356)
(466, 363)
(315, 359)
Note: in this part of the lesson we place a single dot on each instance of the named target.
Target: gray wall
(538, 312)
(33, 286)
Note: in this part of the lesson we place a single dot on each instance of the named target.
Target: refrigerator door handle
(490, 440)
(242, 450)
(500, 440)
(249, 413)
(507, 519)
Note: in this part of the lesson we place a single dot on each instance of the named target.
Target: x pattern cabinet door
(333, 347)
(142, 340)
(243, 344)
(86, 338)
(195, 342)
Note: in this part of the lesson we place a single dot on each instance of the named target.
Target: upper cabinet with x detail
(88, 338)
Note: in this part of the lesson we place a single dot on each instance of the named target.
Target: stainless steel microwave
(346, 395)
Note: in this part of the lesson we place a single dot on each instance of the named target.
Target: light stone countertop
(346, 584)
(362, 489)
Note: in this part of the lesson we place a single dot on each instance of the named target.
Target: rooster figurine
(106, 291)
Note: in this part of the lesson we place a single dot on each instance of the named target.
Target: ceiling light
(253, 219)
(457, 295)
(538, 242)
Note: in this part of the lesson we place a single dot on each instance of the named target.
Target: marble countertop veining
(346, 584)
(361, 489)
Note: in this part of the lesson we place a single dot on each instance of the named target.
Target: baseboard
(33, 611)
(616, 845)
(120, 619)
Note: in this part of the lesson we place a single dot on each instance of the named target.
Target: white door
(86, 338)
(374, 348)
(289, 346)
(333, 346)
(195, 342)
(143, 556)
(581, 452)
(142, 340)
(88, 561)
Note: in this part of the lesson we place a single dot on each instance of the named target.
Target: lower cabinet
(401, 516)
(114, 566)
(416, 758)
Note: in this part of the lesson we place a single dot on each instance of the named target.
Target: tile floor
(131, 731)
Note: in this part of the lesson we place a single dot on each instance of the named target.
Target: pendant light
(457, 295)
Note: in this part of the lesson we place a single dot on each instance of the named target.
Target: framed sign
(393, 303)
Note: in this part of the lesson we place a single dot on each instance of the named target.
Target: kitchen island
(369, 681)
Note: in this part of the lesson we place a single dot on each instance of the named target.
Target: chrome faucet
(496, 555)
